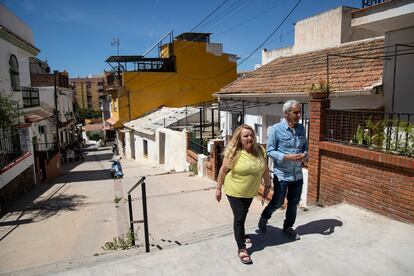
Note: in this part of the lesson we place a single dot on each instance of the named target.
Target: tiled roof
(36, 116)
(93, 127)
(296, 74)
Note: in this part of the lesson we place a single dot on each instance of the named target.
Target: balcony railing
(30, 96)
(390, 132)
(369, 3)
(9, 148)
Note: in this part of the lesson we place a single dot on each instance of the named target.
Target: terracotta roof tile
(296, 74)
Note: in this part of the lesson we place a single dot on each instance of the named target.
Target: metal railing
(10, 149)
(144, 211)
(369, 3)
(390, 132)
(195, 145)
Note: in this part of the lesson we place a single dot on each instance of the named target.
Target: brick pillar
(318, 104)
(188, 135)
(217, 147)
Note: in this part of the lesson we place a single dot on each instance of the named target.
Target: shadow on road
(322, 226)
(42, 209)
(79, 176)
(275, 236)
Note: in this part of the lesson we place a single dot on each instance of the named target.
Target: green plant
(193, 168)
(393, 135)
(87, 113)
(9, 113)
(117, 199)
(321, 86)
(122, 242)
(95, 136)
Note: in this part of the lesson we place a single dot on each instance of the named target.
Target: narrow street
(69, 218)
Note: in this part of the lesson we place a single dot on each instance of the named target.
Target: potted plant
(320, 90)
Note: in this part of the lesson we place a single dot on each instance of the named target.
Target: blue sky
(76, 35)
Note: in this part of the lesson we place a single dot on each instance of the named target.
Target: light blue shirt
(284, 140)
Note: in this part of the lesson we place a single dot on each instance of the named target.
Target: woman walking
(243, 167)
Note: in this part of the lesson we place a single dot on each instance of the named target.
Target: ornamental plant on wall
(320, 89)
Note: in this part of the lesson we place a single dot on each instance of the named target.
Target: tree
(88, 113)
(9, 114)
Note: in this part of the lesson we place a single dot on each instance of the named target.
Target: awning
(114, 122)
(36, 116)
(111, 121)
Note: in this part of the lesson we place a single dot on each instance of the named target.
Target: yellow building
(88, 92)
(188, 70)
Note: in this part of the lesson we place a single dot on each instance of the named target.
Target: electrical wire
(224, 2)
(249, 19)
(254, 51)
(226, 14)
(233, 67)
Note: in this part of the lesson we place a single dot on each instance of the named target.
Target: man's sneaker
(262, 224)
(291, 233)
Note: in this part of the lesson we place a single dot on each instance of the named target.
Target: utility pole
(55, 72)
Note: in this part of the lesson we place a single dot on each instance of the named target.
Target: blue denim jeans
(293, 189)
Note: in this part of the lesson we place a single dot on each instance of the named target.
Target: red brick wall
(377, 186)
(53, 167)
(377, 181)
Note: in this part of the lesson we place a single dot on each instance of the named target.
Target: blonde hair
(235, 146)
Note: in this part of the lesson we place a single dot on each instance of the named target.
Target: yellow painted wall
(199, 75)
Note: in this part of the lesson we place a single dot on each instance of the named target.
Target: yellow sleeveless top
(244, 179)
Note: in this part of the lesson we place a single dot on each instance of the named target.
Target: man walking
(287, 146)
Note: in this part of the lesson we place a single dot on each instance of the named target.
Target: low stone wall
(20, 184)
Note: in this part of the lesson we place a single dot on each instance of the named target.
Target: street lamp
(115, 42)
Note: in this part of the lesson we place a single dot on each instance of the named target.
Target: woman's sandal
(244, 256)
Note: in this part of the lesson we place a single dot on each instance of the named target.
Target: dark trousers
(240, 207)
(293, 189)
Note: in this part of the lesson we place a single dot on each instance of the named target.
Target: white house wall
(356, 102)
(139, 148)
(404, 82)
(8, 49)
(175, 149)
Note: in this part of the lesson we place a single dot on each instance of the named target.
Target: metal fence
(390, 132)
(9, 148)
(195, 145)
(368, 3)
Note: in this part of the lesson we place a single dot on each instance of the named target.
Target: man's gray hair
(287, 106)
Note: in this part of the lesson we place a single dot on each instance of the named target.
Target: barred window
(14, 73)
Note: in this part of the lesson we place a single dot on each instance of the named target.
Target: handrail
(144, 211)
(158, 42)
(136, 184)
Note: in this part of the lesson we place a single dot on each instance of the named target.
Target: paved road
(69, 218)
(65, 224)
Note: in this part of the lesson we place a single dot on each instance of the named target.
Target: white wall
(325, 30)
(139, 148)
(357, 102)
(404, 82)
(319, 31)
(269, 55)
(6, 50)
(175, 149)
(16, 170)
